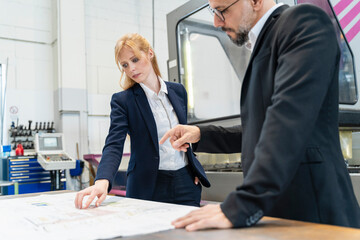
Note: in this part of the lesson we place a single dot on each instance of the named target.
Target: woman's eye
(125, 65)
(135, 60)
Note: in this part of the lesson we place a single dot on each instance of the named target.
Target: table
(267, 229)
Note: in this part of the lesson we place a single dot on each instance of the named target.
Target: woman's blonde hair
(137, 43)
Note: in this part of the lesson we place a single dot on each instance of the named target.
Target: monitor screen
(50, 143)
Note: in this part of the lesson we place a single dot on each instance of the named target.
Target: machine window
(211, 68)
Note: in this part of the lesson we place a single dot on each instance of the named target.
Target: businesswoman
(146, 109)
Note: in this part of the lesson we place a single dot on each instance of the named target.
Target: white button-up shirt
(255, 31)
(165, 119)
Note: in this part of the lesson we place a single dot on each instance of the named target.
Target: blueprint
(54, 216)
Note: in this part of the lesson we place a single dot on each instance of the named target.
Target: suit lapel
(143, 105)
(271, 20)
(268, 22)
(178, 107)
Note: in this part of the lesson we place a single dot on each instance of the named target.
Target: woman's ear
(151, 53)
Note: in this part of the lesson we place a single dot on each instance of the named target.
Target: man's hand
(99, 190)
(181, 135)
(209, 216)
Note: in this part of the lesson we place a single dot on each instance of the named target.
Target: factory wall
(61, 66)
(105, 23)
(26, 41)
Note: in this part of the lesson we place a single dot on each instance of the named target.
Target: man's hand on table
(209, 216)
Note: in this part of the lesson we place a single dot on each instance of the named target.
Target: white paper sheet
(55, 217)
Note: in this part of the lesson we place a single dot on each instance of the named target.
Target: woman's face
(138, 69)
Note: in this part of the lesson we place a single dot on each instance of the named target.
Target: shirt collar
(150, 93)
(255, 31)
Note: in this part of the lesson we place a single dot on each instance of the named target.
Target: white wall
(105, 22)
(30, 40)
(26, 40)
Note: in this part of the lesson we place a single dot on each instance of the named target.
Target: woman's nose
(132, 67)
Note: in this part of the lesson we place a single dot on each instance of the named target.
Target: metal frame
(351, 53)
(349, 114)
(173, 18)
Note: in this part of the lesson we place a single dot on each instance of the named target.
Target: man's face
(239, 19)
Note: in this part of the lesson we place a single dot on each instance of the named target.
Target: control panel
(50, 151)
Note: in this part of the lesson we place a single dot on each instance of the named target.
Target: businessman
(291, 157)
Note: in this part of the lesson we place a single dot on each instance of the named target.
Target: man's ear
(257, 4)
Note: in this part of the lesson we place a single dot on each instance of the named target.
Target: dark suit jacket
(131, 113)
(291, 157)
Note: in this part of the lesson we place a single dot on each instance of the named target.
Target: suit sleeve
(114, 144)
(307, 60)
(216, 139)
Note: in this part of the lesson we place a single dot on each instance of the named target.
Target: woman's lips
(136, 75)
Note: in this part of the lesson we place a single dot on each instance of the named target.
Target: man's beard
(241, 36)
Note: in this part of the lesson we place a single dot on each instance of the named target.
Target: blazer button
(247, 222)
(259, 214)
(252, 220)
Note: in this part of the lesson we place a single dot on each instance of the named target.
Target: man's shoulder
(303, 10)
(302, 16)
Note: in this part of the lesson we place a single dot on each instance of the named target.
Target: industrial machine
(52, 156)
(211, 67)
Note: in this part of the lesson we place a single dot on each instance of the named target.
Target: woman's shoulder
(175, 86)
(123, 95)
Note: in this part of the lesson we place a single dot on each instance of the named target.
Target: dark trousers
(177, 187)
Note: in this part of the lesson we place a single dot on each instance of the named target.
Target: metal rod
(153, 24)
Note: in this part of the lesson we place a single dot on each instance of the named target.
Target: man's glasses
(219, 13)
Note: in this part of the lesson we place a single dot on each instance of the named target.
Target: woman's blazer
(131, 114)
